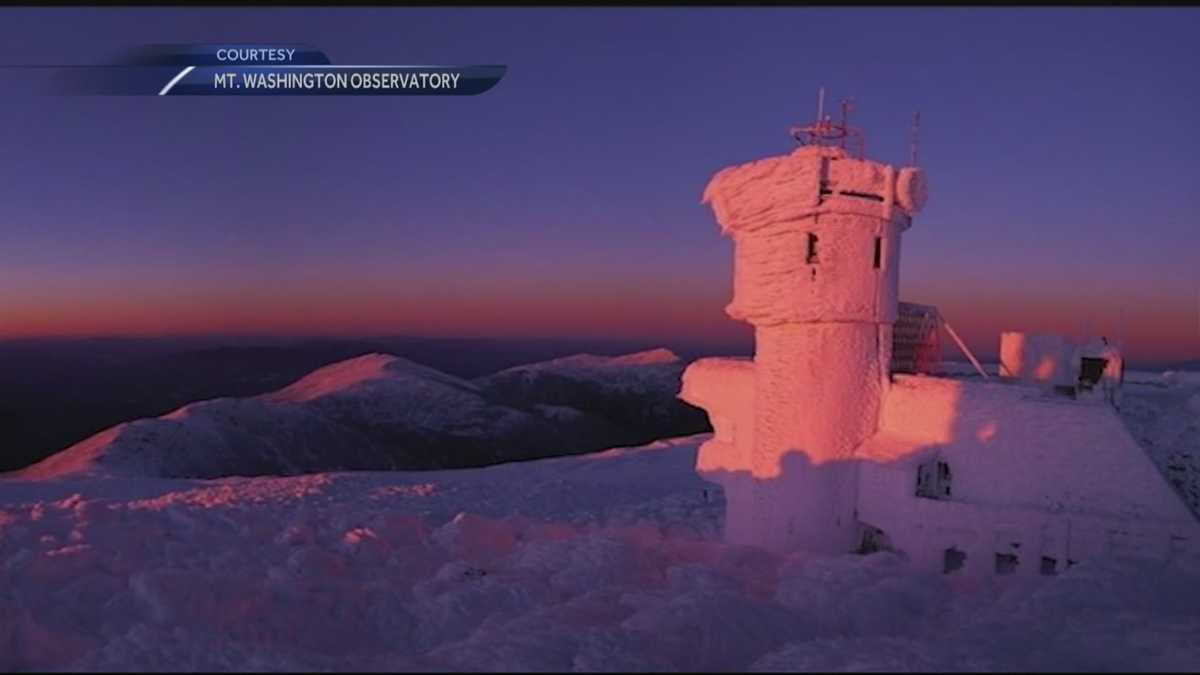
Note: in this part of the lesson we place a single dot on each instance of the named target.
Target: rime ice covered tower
(817, 250)
(822, 443)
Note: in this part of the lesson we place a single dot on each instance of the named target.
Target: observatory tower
(817, 259)
(820, 444)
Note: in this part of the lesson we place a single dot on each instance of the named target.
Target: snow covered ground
(1162, 411)
(611, 561)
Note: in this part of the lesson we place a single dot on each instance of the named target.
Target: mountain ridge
(383, 412)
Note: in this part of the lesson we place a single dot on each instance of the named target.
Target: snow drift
(609, 561)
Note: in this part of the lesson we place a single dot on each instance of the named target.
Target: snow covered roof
(811, 179)
(1015, 445)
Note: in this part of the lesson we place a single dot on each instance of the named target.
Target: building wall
(775, 282)
(1026, 466)
(818, 387)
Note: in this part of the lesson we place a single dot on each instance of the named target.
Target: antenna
(825, 132)
(916, 128)
(847, 106)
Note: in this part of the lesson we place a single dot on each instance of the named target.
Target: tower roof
(811, 179)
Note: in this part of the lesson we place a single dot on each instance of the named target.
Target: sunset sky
(1062, 148)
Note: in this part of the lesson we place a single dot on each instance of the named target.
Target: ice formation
(820, 447)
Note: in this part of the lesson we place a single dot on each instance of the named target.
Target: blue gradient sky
(1062, 147)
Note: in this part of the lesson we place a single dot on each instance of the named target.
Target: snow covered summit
(601, 562)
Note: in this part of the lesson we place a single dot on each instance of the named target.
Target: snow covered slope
(1162, 411)
(635, 393)
(609, 561)
(383, 412)
(371, 412)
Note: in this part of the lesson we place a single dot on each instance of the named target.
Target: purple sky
(1062, 147)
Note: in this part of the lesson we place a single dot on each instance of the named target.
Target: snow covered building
(1094, 370)
(819, 445)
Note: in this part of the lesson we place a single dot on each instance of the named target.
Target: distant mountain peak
(647, 357)
(352, 373)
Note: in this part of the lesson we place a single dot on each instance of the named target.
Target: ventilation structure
(916, 339)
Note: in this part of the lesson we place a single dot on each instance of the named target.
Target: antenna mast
(846, 103)
(916, 128)
(825, 132)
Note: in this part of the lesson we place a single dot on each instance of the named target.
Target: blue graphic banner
(266, 70)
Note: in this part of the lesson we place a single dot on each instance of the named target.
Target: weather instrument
(825, 132)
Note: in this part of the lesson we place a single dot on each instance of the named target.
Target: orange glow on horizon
(493, 311)
(1151, 326)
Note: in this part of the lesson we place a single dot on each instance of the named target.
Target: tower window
(878, 251)
(1006, 563)
(933, 480)
(952, 559)
(811, 258)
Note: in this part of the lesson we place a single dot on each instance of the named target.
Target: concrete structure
(819, 447)
(816, 271)
(1032, 357)
(1093, 370)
